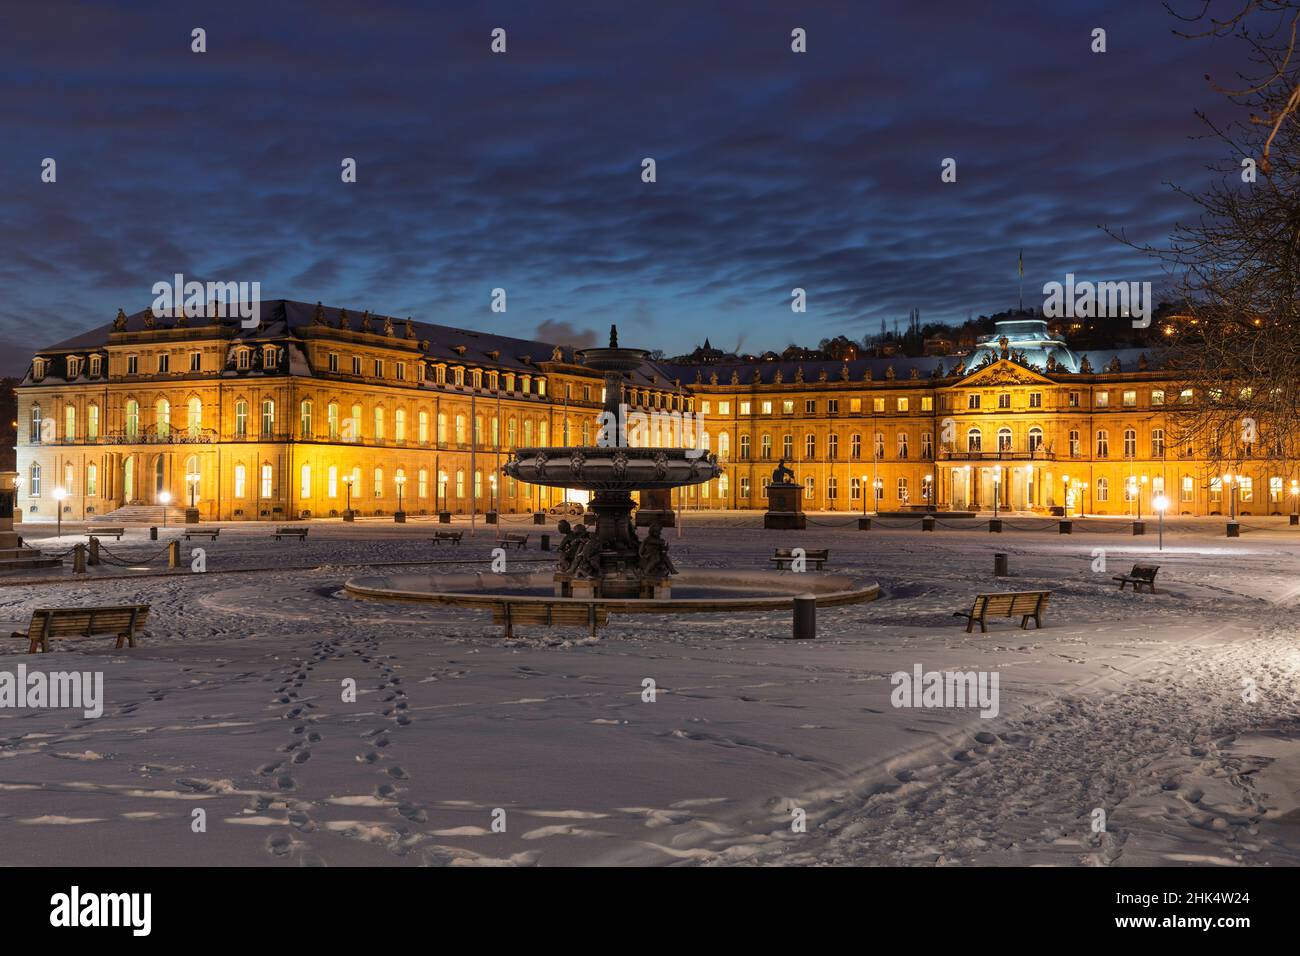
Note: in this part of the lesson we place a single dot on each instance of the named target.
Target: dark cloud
(562, 333)
(522, 171)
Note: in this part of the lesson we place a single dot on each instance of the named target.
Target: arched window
(35, 436)
(304, 483)
(305, 409)
(1103, 489)
(1130, 443)
(128, 479)
(1103, 444)
(132, 419)
(241, 419)
(268, 481)
(423, 426)
(541, 433)
(902, 446)
(879, 450)
(1004, 439)
(162, 412)
(1035, 438)
(92, 422)
(422, 485)
(241, 481)
(744, 448)
(399, 424)
(34, 485)
(69, 422)
(92, 481)
(724, 446)
(194, 416)
(974, 440)
(69, 478)
(442, 429)
(192, 479)
(352, 427)
(460, 483)
(379, 482)
(765, 447)
(478, 431)
(528, 434)
(268, 419)
(460, 430)
(332, 482)
(332, 420)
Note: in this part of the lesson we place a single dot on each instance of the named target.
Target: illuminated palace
(317, 409)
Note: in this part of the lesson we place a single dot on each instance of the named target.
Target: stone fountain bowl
(613, 359)
(613, 469)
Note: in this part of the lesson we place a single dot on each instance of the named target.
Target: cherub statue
(653, 555)
(571, 545)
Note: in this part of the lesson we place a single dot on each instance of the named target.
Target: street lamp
(1295, 491)
(1083, 489)
(165, 497)
(492, 480)
(1161, 503)
(193, 481)
(1228, 480)
(879, 488)
(864, 495)
(926, 486)
(997, 487)
(399, 515)
(59, 495)
(347, 483)
(1141, 481)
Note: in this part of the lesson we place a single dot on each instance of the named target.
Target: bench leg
(970, 624)
(984, 628)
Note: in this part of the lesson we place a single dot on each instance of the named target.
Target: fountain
(611, 565)
(611, 561)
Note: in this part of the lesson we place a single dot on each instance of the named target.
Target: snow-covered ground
(1176, 714)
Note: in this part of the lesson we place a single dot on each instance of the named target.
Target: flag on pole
(1022, 263)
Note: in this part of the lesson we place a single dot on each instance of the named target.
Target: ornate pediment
(1004, 372)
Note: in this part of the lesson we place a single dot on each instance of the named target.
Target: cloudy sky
(523, 171)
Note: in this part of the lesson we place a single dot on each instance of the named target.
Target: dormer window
(459, 376)
(510, 381)
(242, 358)
(270, 357)
(74, 366)
(96, 366)
(440, 375)
(478, 378)
(38, 368)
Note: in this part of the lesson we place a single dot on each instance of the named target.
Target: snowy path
(1131, 704)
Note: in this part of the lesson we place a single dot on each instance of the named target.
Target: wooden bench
(814, 556)
(124, 621)
(548, 614)
(520, 541)
(209, 533)
(453, 536)
(105, 532)
(299, 533)
(1028, 604)
(1140, 575)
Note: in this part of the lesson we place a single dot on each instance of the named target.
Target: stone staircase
(23, 559)
(141, 514)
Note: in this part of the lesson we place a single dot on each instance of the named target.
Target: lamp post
(399, 515)
(1161, 503)
(1230, 487)
(59, 495)
(878, 486)
(1295, 492)
(1141, 481)
(997, 487)
(927, 484)
(1083, 489)
(864, 496)
(347, 483)
(165, 498)
(193, 481)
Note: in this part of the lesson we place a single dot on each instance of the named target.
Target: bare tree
(1235, 347)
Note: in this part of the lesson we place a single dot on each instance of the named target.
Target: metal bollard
(1000, 565)
(864, 524)
(805, 617)
(927, 523)
(995, 525)
(79, 559)
(174, 554)
(1295, 520)
(1139, 527)
(546, 542)
(153, 533)
(1067, 527)
(94, 551)
(539, 517)
(1234, 530)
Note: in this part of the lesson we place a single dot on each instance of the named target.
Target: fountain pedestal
(656, 508)
(784, 507)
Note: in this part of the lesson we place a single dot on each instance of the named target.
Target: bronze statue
(781, 473)
(570, 545)
(653, 555)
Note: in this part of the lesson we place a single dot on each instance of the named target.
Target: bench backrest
(107, 531)
(513, 536)
(521, 613)
(812, 554)
(1008, 603)
(1144, 571)
(86, 621)
(290, 530)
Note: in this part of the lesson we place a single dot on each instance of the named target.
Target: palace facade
(316, 410)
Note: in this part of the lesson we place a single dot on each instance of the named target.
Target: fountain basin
(612, 469)
(695, 591)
